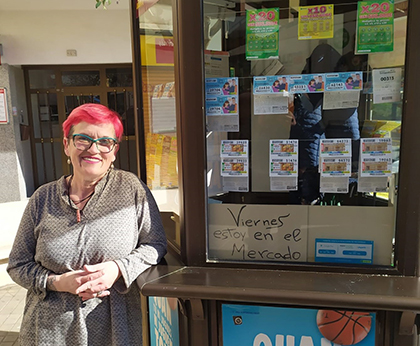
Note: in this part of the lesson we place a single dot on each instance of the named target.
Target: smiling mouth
(91, 159)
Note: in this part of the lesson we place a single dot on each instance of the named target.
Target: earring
(112, 165)
(68, 161)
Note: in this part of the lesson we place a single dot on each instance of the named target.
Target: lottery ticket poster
(375, 26)
(316, 22)
(234, 165)
(344, 81)
(284, 164)
(262, 34)
(307, 83)
(270, 85)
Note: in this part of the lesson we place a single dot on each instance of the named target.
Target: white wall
(42, 37)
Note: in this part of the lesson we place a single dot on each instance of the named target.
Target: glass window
(119, 77)
(42, 79)
(303, 112)
(158, 77)
(80, 78)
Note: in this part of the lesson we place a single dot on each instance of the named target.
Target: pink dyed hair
(93, 113)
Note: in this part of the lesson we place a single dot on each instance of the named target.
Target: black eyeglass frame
(91, 140)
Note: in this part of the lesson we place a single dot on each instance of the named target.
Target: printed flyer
(375, 26)
(262, 34)
(387, 85)
(316, 22)
(307, 83)
(270, 85)
(281, 326)
(344, 81)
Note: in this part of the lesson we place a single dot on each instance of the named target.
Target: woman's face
(90, 164)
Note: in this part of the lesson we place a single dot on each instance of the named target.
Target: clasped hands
(93, 281)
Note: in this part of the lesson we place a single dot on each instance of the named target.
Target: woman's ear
(66, 146)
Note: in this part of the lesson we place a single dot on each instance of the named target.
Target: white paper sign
(235, 184)
(387, 85)
(271, 104)
(283, 183)
(334, 185)
(258, 232)
(341, 99)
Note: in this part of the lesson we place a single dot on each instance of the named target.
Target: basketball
(344, 327)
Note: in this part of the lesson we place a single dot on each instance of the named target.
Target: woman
(83, 240)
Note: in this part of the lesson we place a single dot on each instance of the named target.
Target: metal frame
(192, 153)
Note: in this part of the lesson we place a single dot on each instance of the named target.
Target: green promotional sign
(375, 26)
(262, 34)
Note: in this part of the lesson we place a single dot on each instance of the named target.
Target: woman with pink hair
(83, 240)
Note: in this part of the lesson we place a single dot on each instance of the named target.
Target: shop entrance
(54, 91)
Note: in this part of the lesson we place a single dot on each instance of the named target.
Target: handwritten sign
(258, 232)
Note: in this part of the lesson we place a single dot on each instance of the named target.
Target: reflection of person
(226, 107)
(311, 85)
(283, 84)
(313, 124)
(349, 83)
(357, 83)
(319, 86)
(83, 240)
(233, 106)
(233, 89)
(275, 86)
(225, 89)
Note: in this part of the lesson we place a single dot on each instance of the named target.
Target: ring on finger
(99, 293)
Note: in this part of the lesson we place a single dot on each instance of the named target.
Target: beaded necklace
(79, 201)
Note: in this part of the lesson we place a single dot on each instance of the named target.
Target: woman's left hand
(98, 287)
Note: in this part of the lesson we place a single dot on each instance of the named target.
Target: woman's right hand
(71, 281)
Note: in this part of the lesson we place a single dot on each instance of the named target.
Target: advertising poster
(163, 320)
(270, 84)
(4, 116)
(262, 34)
(307, 83)
(375, 26)
(316, 22)
(344, 81)
(387, 85)
(234, 165)
(280, 326)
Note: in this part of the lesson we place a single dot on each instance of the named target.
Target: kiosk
(281, 144)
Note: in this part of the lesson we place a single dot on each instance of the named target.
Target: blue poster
(275, 326)
(222, 96)
(163, 320)
(344, 251)
(270, 84)
(307, 83)
(343, 81)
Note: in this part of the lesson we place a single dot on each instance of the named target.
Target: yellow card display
(316, 22)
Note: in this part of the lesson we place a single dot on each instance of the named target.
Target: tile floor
(12, 300)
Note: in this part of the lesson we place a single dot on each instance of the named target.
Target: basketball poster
(275, 326)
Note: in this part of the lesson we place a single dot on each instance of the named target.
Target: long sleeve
(23, 268)
(151, 246)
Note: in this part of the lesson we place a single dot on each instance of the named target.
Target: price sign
(375, 26)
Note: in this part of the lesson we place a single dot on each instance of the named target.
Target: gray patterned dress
(120, 222)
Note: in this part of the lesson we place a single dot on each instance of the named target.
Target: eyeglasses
(84, 142)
